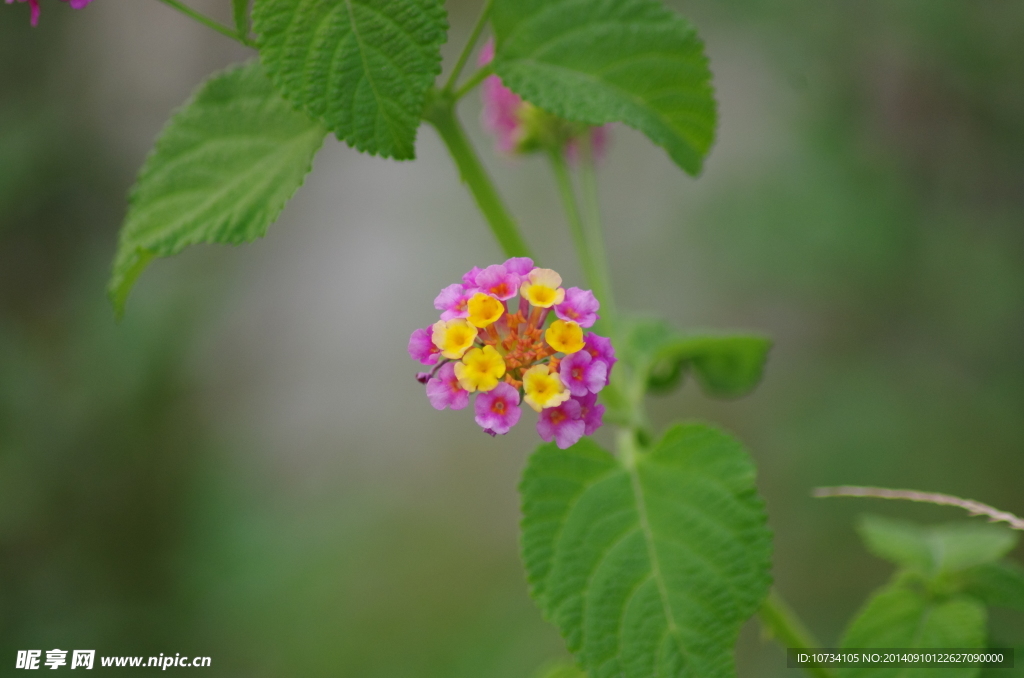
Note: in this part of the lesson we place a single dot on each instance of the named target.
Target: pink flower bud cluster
(513, 122)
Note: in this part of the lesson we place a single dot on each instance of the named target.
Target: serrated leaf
(240, 10)
(938, 549)
(725, 365)
(998, 584)
(599, 61)
(363, 67)
(221, 171)
(898, 617)
(649, 569)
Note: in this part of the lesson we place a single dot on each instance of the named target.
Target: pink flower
(592, 413)
(497, 410)
(454, 301)
(601, 349)
(521, 266)
(422, 348)
(444, 390)
(34, 5)
(582, 373)
(563, 424)
(497, 281)
(501, 106)
(469, 279)
(579, 306)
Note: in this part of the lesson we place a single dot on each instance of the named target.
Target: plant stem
(468, 49)
(207, 21)
(584, 250)
(440, 112)
(789, 631)
(473, 81)
(572, 212)
(594, 231)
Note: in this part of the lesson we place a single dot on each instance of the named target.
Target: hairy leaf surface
(363, 67)
(599, 61)
(898, 617)
(221, 171)
(649, 569)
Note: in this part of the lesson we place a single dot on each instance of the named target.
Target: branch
(975, 508)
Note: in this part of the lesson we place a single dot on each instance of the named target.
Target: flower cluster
(520, 127)
(507, 358)
(34, 5)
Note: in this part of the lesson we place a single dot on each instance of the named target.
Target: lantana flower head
(507, 352)
(34, 5)
(520, 127)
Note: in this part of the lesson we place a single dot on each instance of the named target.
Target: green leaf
(998, 584)
(363, 67)
(221, 171)
(898, 617)
(725, 365)
(599, 61)
(561, 670)
(648, 568)
(240, 9)
(939, 549)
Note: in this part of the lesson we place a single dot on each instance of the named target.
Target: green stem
(468, 49)
(591, 269)
(787, 628)
(440, 112)
(473, 81)
(207, 21)
(572, 212)
(594, 231)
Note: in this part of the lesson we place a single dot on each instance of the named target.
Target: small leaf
(725, 365)
(897, 617)
(599, 61)
(651, 569)
(363, 67)
(998, 584)
(938, 549)
(221, 171)
(240, 9)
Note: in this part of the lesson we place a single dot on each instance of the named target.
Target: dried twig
(975, 508)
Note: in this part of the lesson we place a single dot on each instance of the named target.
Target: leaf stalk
(783, 624)
(440, 112)
(474, 36)
(208, 22)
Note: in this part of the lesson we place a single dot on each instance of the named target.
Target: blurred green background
(244, 468)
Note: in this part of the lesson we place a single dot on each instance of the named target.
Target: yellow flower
(565, 336)
(543, 288)
(453, 337)
(543, 388)
(484, 310)
(480, 370)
